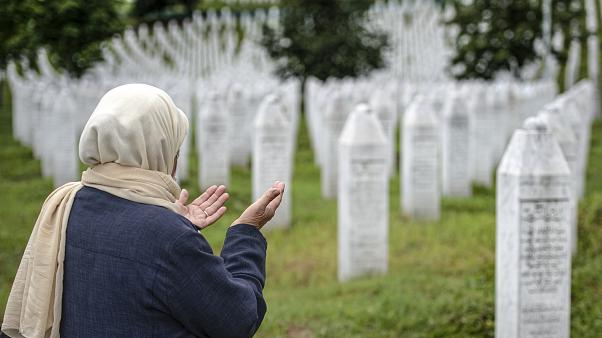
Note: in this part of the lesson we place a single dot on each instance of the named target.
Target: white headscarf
(130, 143)
(134, 125)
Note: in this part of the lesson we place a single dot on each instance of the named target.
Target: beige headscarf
(129, 143)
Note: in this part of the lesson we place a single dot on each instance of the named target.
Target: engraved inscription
(367, 189)
(544, 267)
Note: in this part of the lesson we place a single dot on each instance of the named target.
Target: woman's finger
(214, 217)
(204, 196)
(183, 197)
(275, 203)
(267, 197)
(218, 192)
(217, 204)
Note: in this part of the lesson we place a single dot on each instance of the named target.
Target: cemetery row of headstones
(539, 183)
(215, 70)
(451, 135)
(540, 180)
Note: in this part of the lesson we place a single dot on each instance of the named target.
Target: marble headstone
(64, 154)
(272, 156)
(386, 111)
(455, 145)
(334, 121)
(556, 123)
(240, 148)
(533, 259)
(363, 206)
(214, 165)
(420, 197)
(482, 140)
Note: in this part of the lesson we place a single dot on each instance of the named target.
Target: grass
(441, 275)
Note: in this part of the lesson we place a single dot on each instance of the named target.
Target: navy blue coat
(138, 270)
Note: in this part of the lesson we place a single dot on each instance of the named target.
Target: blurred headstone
(556, 123)
(385, 109)
(64, 154)
(272, 156)
(455, 145)
(363, 206)
(421, 195)
(240, 140)
(214, 145)
(334, 120)
(482, 137)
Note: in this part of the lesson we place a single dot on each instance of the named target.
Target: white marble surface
(272, 156)
(420, 191)
(483, 142)
(455, 146)
(64, 151)
(558, 125)
(239, 121)
(334, 120)
(363, 206)
(533, 260)
(214, 146)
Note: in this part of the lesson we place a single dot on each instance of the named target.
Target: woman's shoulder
(129, 218)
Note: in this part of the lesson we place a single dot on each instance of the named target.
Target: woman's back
(115, 250)
(137, 270)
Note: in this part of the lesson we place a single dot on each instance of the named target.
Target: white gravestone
(334, 120)
(533, 259)
(64, 155)
(214, 161)
(558, 125)
(421, 195)
(182, 98)
(363, 205)
(240, 148)
(575, 116)
(456, 157)
(272, 156)
(385, 109)
(482, 140)
(499, 104)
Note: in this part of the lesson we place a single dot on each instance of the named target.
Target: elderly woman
(120, 253)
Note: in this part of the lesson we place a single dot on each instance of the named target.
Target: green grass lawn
(441, 275)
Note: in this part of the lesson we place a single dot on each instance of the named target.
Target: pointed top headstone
(362, 128)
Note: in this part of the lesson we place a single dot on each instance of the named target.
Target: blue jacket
(138, 270)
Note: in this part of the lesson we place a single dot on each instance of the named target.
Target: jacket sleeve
(218, 296)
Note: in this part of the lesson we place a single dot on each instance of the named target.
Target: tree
(71, 31)
(568, 18)
(495, 36)
(324, 39)
(153, 10)
(17, 30)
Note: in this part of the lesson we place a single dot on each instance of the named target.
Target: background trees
(324, 39)
(494, 36)
(71, 31)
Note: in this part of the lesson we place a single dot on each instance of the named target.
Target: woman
(119, 254)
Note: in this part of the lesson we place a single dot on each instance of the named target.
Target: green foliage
(17, 30)
(324, 39)
(70, 30)
(153, 10)
(568, 17)
(495, 36)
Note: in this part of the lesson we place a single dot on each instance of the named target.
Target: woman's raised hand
(205, 209)
(260, 212)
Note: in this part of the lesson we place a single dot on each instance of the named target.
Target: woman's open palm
(205, 209)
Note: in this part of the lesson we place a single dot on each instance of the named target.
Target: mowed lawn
(441, 275)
